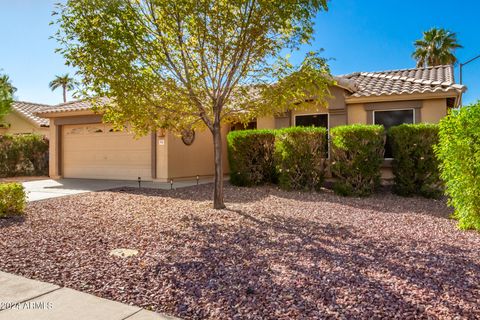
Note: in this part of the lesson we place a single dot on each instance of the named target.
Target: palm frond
(436, 48)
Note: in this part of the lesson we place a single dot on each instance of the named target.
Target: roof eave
(31, 121)
(64, 113)
(452, 93)
(345, 84)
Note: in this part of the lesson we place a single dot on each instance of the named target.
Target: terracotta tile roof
(359, 84)
(29, 110)
(405, 81)
(78, 105)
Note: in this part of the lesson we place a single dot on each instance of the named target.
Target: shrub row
(357, 155)
(300, 157)
(295, 158)
(459, 153)
(23, 155)
(250, 154)
(415, 165)
(12, 199)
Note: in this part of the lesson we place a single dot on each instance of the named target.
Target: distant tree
(6, 83)
(184, 64)
(6, 95)
(65, 82)
(436, 48)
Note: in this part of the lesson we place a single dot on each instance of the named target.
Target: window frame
(387, 110)
(328, 126)
(312, 114)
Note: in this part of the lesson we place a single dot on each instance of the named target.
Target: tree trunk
(218, 186)
(64, 94)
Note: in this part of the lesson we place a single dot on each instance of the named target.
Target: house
(81, 146)
(23, 119)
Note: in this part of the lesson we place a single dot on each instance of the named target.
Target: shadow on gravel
(258, 260)
(11, 221)
(382, 201)
(304, 269)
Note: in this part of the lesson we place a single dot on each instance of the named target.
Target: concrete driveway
(25, 299)
(46, 189)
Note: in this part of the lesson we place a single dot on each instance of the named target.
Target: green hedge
(356, 157)
(300, 157)
(459, 153)
(251, 157)
(415, 165)
(12, 199)
(23, 155)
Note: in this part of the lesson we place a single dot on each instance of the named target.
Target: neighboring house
(23, 119)
(83, 147)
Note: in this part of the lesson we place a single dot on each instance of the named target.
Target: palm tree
(436, 48)
(65, 82)
(6, 96)
(6, 84)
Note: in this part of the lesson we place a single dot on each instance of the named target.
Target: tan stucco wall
(269, 122)
(162, 156)
(53, 164)
(266, 123)
(336, 103)
(356, 114)
(20, 125)
(434, 110)
(197, 159)
(312, 110)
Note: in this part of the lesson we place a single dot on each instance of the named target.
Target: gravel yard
(271, 255)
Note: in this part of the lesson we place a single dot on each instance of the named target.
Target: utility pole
(465, 63)
(461, 73)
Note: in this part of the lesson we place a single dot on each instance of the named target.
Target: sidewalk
(49, 188)
(26, 299)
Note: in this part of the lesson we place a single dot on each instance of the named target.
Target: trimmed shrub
(12, 199)
(300, 157)
(251, 157)
(356, 156)
(459, 154)
(25, 154)
(415, 165)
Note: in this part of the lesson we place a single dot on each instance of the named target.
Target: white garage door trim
(96, 151)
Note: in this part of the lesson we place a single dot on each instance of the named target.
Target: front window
(316, 120)
(390, 119)
(241, 126)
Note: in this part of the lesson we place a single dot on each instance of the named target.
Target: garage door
(98, 152)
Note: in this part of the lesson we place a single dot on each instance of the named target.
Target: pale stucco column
(54, 150)
(162, 156)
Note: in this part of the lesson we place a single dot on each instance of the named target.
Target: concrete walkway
(46, 189)
(26, 299)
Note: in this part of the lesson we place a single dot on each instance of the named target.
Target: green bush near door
(415, 165)
(251, 157)
(356, 157)
(300, 157)
(459, 153)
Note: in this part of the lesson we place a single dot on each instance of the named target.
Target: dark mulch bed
(271, 255)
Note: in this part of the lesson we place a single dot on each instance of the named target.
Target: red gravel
(272, 255)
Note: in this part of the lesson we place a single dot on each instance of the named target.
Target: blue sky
(368, 35)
